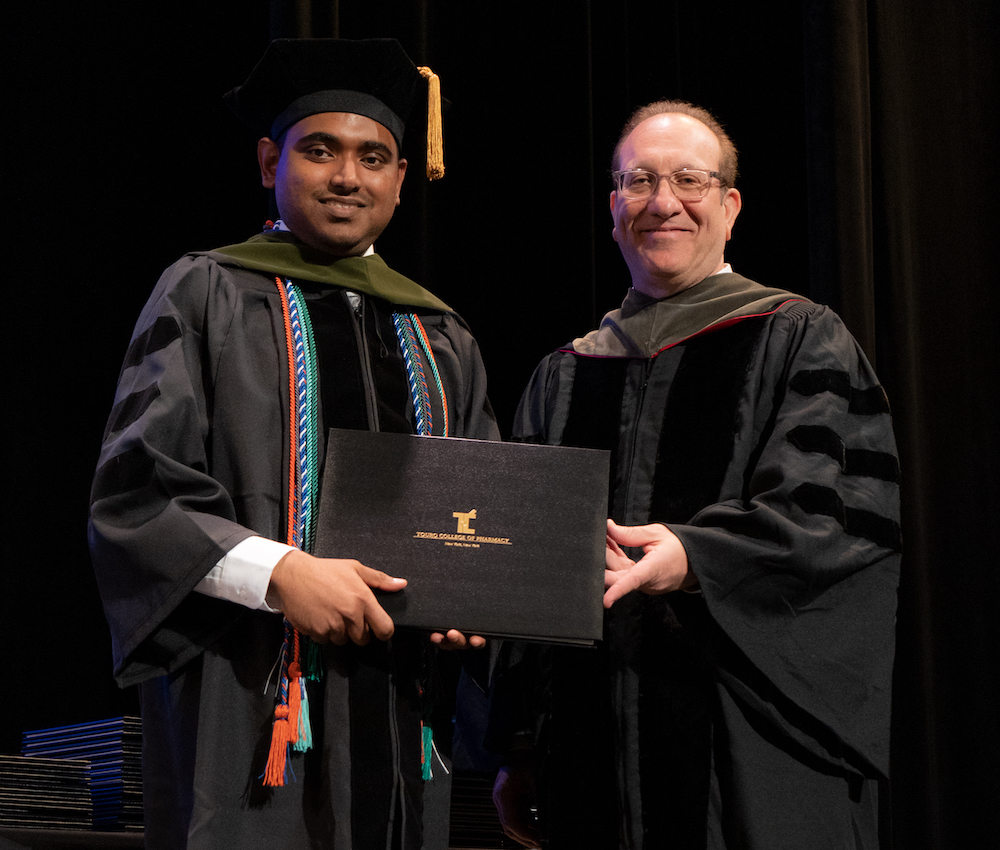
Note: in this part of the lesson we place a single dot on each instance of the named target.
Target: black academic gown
(753, 713)
(195, 460)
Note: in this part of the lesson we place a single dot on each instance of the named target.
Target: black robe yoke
(195, 460)
(753, 713)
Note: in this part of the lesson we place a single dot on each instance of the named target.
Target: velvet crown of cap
(296, 78)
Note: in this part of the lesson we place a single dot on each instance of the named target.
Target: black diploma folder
(494, 539)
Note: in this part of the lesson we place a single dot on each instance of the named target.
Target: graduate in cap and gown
(279, 709)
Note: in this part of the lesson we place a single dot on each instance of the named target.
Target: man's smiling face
(336, 177)
(669, 244)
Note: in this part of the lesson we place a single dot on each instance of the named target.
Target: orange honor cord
(287, 713)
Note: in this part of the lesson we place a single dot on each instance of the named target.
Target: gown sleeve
(538, 409)
(800, 572)
(159, 520)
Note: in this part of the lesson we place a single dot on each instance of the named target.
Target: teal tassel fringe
(305, 741)
(427, 739)
(312, 670)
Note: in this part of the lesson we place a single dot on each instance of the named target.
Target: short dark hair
(727, 167)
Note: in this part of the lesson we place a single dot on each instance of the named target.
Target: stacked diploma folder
(86, 776)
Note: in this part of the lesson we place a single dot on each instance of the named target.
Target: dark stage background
(868, 134)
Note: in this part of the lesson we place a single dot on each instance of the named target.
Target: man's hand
(330, 599)
(663, 567)
(514, 795)
(454, 639)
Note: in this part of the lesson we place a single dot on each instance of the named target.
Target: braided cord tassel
(307, 399)
(414, 372)
(298, 701)
(300, 504)
(291, 713)
(282, 727)
(426, 346)
(292, 498)
(312, 425)
(306, 409)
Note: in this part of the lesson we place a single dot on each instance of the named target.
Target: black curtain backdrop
(868, 139)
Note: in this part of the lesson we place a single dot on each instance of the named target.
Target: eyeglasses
(688, 184)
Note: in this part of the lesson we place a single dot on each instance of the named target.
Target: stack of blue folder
(111, 752)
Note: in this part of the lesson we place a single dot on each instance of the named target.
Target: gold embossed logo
(465, 535)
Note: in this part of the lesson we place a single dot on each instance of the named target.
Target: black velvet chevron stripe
(880, 530)
(819, 438)
(879, 465)
(163, 332)
(130, 408)
(862, 402)
(822, 439)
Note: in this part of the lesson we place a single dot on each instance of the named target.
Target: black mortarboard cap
(298, 77)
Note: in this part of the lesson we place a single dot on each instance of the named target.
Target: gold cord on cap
(435, 134)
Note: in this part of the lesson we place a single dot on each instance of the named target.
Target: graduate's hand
(454, 639)
(515, 795)
(663, 567)
(331, 599)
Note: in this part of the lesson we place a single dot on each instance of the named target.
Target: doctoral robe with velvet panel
(753, 713)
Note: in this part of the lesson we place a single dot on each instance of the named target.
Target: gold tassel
(435, 133)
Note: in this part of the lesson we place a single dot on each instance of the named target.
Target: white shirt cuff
(244, 573)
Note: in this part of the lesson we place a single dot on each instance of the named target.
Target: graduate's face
(336, 178)
(669, 244)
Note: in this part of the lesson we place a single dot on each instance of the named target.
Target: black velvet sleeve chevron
(867, 401)
(818, 499)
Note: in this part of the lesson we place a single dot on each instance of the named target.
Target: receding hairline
(728, 155)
